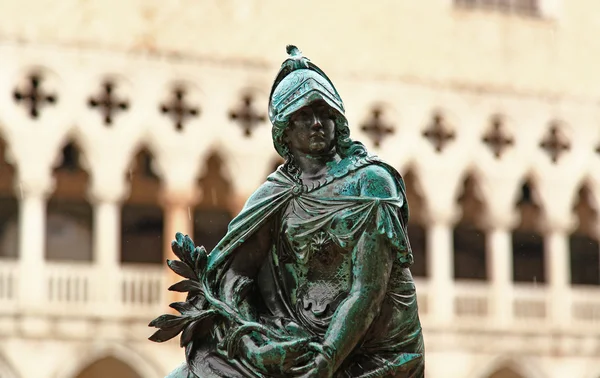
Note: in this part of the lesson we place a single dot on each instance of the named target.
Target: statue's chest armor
(318, 272)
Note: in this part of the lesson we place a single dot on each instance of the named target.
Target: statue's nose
(316, 123)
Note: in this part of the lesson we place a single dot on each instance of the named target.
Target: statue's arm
(266, 356)
(245, 263)
(371, 266)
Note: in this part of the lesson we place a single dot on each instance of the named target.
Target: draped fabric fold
(279, 189)
(342, 220)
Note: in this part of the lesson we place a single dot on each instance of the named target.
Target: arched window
(108, 367)
(9, 208)
(527, 238)
(68, 213)
(505, 373)
(141, 215)
(212, 214)
(469, 237)
(583, 242)
(416, 224)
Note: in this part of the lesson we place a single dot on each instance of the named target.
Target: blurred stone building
(122, 122)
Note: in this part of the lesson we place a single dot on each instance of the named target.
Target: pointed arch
(529, 263)
(143, 178)
(469, 234)
(417, 222)
(7, 170)
(69, 213)
(584, 246)
(215, 184)
(505, 372)
(135, 361)
(9, 206)
(520, 368)
(585, 207)
(415, 195)
(212, 214)
(108, 367)
(142, 217)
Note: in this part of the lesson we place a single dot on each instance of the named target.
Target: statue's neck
(315, 167)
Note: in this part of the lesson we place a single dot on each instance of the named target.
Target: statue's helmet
(298, 84)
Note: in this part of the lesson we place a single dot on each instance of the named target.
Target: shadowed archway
(506, 373)
(469, 234)
(9, 207)
(584, 242)
(108, 367)
(107, 360)
(508, 367)
(141, 214)
(212, 214)
(529, 264)
(417, 223)
(69, 226)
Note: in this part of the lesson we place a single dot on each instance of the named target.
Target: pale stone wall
(427, 41)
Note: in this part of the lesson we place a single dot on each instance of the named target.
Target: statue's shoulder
(276, 184)
(377, 178)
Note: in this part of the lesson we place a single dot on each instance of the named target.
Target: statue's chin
(319, 148)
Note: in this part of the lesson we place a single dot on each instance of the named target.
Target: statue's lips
(317, 135)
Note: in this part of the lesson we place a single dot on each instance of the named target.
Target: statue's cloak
(279, 189)
(268, 202)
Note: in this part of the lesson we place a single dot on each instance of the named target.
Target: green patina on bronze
(312, 278)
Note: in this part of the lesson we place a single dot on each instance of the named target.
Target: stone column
(499, 186)
(178, 217)
(107, 247)
(499, 260)
(558, 275)
(554, 192)
(32, 234)
(441, 261)
(437, 182)
(106, 194)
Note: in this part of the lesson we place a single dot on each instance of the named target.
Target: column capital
(178, 197)
(501, 218)
(40, 187)
(560, 225)
(441, 189)
(447, 216)
(104, 193)
(556, 195)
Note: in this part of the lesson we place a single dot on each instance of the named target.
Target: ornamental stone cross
(108, 103)
(375, 128)
(247, 116)
(33, 96)
(496, 139)
(178, 109)
(554, 143)
(437, 133)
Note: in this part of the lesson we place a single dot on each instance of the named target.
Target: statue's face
(312, 129)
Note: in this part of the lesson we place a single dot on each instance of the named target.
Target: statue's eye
(302, 116)
(326, 113)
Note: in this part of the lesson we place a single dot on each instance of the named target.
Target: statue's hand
(277, 356)
(319, 368)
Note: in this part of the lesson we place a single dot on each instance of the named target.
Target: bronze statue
(312, 278)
